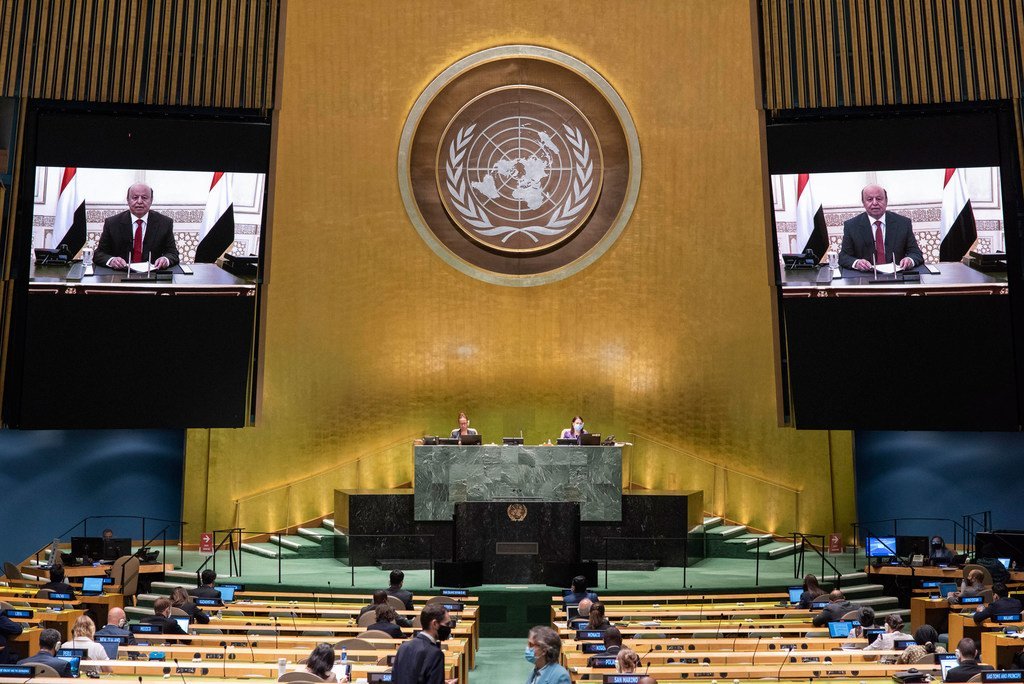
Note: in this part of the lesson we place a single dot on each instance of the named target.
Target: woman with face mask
(574, 431)
(543, 650)
(940, 554)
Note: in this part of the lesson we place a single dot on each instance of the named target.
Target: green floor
(500, 661)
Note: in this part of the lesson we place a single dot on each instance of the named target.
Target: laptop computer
(110, 644)
(472, 440)
(1005, 562)
(183, 623)
(840, 629)
(872, 634)
(902, 644)
(795, 593)
(566, 442)
(947, 661)
(946, 588)
(74, 657)
(92, 586)
(819, 604)
(227, 592)
(591, 439)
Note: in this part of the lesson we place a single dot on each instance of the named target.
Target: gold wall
(366, 339)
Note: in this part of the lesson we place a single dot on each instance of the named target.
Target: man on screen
(878, 236)
(137, 234)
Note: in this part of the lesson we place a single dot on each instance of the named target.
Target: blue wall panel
(51, 479)
(939, 475)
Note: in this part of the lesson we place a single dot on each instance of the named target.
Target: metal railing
(429, 537)
(798, 558)
(146, 541)
(633, 541)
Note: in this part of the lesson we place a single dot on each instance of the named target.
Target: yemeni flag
(957, 222)
(69, 221)
(217, 232)
(811, 232)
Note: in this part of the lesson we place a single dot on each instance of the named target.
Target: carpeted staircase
(308, 542)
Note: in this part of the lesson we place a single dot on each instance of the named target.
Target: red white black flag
(957, 222)
(217, 232)
(69, 220)
(811, 232)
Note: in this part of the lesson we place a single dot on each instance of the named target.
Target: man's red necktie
(879, 244)
(137, 243)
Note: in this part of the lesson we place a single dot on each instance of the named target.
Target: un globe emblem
(519, 169)
(519, 165)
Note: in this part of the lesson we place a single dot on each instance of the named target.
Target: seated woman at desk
(463, 428)
(575, 430)
(320, 663)
(940, 553)
(972, 585)
(886, 641)
(812, 590)
(926, 640)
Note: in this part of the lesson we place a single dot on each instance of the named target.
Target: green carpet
(500, 661)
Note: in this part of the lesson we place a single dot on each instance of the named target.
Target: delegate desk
(1000, 649)
(158, 324)
(445, 475)
(953, 278)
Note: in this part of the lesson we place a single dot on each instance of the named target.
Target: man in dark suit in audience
(396, 590)
(386, 617)
(117, 626)
(8, 628)
(57, 583)
(966, 654)
(579, 592)
(420, 660)
(49, 640)
(838, 607)
(612, 641)
(162, 616)
(1002, 604)
(380, 596)
(206, 589)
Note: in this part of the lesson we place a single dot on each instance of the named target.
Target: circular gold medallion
(519, 169)
(517, 512)
(519, 165)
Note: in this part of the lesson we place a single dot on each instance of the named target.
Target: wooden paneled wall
(201, 53)
(836, 53)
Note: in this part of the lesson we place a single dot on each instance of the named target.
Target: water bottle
(282, 667)
(833, 259)
(344, 655)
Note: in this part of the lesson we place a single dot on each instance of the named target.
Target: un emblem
(519, 169)
(519, 165)
(517, 512)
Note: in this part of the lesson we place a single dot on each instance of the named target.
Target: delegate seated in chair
(49, 639)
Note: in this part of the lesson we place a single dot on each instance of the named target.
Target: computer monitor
(907, 546)
(115, 547)
(182, 623)
(872, 633)
(947, 661)
(946, 588)
(87, 547)
(839, 629)
(227, 593)
(471, 440)
(819, 604)
(591, 439)
(92, 585)
(110, 644)
(902, 644)
(795, 593)
(880, 547)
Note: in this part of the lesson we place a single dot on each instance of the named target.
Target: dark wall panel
(51, 479)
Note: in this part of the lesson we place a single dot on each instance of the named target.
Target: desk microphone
(753, 655)
(277, 629)
(180, 673)
(224, 660)
(784, 660)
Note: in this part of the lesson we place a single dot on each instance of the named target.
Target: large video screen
(195, 216)
(871, 223)
(896, 261)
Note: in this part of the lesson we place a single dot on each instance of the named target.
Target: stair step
(848, 577)
(712, 521)
(751, 541)
(315, 534)
(875, 601)
(776, 550)
(163, 588)
(261, 550)
(181, 576)
(861, 589)
(328, 523)
(137, 611)
(284, 542)
(728, 531)
(403, 563)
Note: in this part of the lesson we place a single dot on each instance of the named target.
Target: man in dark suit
(162, 616)
(420, 659)
(1002, 604)
(137, 234)
(57, 583)
(966, 653)
(838, 607)
(386, 618)
(49, 640)
(612, 641)
(579, 593)
(117, 626)
(8, 628)
(396, 590)
(878, 236)
(206, 589)
(381, 597)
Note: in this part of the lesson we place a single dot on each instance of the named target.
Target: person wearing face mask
(420, 659)
(544, 650)
(940, 554)
(574, 431)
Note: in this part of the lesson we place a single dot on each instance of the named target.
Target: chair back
(367, 619)
(373, 634)
(125, 571)
(317, 633)
(354, 644)
(852, 615)
(926, 659)
(11, 571)
(984, 571)
(439, 599)
(178, 612)
(43, 670)
(975, 678)
(4, 605)
(299, 676)
(396, 603)
(43, 593)
(986, 596)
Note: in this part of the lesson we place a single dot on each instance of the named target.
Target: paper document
(142, 267)
(888, 268)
